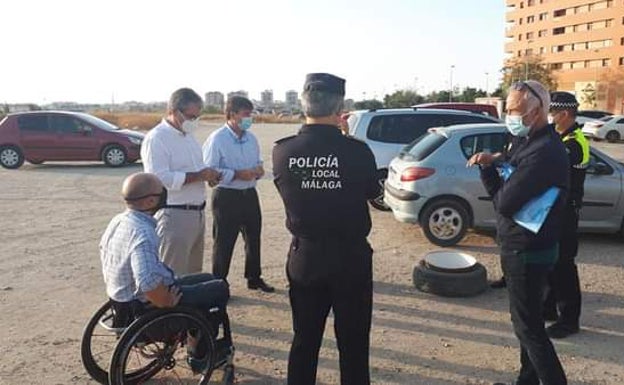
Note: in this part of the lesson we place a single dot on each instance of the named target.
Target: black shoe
(498, 284)
(560, 330)
(258, 283)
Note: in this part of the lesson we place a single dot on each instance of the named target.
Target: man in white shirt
(172, 153)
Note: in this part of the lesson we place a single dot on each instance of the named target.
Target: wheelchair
(129, 344)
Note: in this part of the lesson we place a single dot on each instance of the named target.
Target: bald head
(140, 187)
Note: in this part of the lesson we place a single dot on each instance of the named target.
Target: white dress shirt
(170, 154)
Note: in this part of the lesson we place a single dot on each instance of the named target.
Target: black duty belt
(235, 191)
(186, 207)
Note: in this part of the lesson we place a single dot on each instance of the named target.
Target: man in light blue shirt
(234, 152)
(129, 253)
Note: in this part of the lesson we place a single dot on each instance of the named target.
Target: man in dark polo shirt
(325, 180)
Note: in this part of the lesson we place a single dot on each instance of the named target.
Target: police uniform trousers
(329, 275)
(235, 211)
(564, 294)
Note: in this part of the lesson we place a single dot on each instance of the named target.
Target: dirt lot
(50, 284)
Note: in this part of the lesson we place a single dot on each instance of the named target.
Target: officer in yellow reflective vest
(563, 303)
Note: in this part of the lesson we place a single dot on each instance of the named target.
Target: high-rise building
(581, 41)
(292, 99)
(214, 99)
(266, 98)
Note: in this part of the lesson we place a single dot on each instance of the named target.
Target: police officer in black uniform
(325, 180)
(563, 303)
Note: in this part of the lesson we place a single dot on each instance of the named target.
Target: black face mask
(162, 201)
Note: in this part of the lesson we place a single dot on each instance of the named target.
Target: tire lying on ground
(464, 280)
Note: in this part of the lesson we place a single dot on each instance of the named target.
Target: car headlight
(134, 140)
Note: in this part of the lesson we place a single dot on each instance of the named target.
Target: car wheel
(448, 283)
(378, 202)
(612, 136)
(444, 222)
(114, 156)
(11, 157)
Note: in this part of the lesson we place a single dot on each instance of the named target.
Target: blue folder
(533, 214)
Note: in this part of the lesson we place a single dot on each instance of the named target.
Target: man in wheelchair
(135, 277)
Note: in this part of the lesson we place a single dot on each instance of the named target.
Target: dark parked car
(40, 136)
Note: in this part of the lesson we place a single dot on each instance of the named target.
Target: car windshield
(352, 121)
(101, 123)
(423, 146)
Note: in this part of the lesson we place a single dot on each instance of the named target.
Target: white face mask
(515, 125)
(189, 126)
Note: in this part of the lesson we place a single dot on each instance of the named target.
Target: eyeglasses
(519, 86)
(191, 118)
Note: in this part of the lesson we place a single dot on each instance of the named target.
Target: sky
(136, 50)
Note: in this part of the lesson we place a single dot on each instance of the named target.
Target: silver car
(428, 184)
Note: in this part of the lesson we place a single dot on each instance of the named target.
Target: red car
(40, 136)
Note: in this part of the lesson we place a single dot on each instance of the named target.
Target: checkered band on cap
(563, 105)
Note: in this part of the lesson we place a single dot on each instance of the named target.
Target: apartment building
(581, 41)
(215, 99)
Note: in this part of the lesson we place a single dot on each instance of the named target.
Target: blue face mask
(245, 123)
(515, 125)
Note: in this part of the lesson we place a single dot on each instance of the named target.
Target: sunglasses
(519, 86)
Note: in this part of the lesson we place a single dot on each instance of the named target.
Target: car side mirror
(598, 169)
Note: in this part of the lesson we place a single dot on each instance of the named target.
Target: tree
(437, 96)
(372, 104)
(402, 98)
(530, 67)
(469, 94)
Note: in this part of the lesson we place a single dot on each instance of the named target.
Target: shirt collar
(168, 125)
(324, 129)
(142, 216)
(243, 138)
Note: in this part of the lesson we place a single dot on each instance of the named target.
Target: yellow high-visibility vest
(577, 135)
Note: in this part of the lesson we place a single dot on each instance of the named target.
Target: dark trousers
(349, 294)
(526, 283)
(236, 211)
(203, 291)
(564, 292)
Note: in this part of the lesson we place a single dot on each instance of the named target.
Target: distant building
(215, 99)
(242, 93)
(266, 98)
(349, 105)
(20, 107)
(292, 99)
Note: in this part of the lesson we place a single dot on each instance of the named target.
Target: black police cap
(560, 100)
(324, 82)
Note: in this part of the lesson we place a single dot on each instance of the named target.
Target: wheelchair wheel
(98, 343)
(99, 340)
(155, 347)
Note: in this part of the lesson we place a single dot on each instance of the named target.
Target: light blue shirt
(226, 152)
(129, 255)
